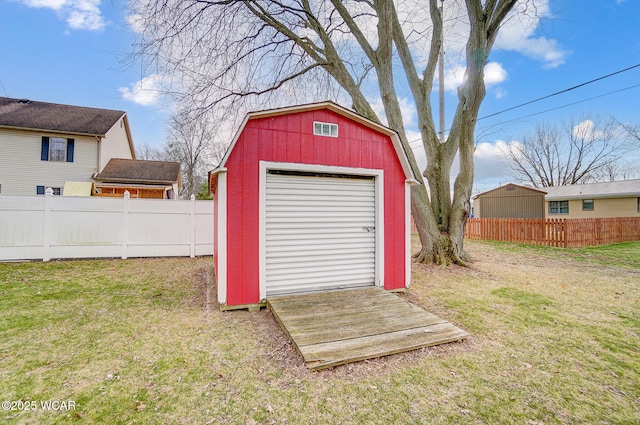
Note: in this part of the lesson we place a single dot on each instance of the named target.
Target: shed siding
(518, 202)
(289, 138)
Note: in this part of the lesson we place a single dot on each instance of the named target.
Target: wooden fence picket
(556, 232)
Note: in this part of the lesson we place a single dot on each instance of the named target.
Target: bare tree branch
(576, 154)
(233, 55)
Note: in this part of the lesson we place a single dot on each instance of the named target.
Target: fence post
(125, 223)
(192, 230)
(46, 237)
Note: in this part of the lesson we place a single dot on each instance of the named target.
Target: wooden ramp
(338, 327)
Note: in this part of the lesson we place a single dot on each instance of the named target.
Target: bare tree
(227, 54)
(146, 152)
(633, 131)
(578, 152)
(619, 170)
(192, 142)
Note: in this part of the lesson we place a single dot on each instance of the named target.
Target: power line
(560, 92)
(550, 109)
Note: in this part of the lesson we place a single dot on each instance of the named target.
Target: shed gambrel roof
(334, 107)
(53, 117)
(120, 170)
(488, 192)
(617, 189)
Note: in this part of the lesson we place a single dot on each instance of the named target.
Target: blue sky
(72, 51)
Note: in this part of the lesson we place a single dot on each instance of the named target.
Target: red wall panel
(289, 138)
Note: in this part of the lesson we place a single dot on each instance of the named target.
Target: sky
(74, 52)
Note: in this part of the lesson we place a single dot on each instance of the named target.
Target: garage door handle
(369, 229)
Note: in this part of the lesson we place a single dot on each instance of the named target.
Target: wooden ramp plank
(338, 327)
(335, 353)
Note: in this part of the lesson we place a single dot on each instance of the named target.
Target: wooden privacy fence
(562, 232)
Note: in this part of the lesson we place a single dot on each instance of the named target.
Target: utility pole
(441, 73)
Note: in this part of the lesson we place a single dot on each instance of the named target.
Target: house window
(587, 205)
(558, 207)
(638, 204)
(41, 189)
(325, 129)
(57, 149)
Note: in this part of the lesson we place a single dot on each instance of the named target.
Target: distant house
(143, 179)
(509, 201)
(595, 200)
(47, 144)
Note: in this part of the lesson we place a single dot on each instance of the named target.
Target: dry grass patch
(555, 341)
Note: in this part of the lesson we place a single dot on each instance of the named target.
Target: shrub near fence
(564, 232)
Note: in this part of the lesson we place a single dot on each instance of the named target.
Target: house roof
(53, 117)
(120, 170)
(334, 107)
(509, 184)
(617, 189)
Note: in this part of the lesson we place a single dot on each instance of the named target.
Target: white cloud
(453, 77)
(145, 92)
(136, 23)
(409, 113)
(500, 93)
(415, 141)
(86, 15)
(586, 130)
(491, 165)
(407, 109)
(79, 14)
(51, 4)
(518, 33)
(494, 74)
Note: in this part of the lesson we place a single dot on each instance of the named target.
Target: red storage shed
(310, 198)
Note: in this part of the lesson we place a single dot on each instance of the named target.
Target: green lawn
(555, 340)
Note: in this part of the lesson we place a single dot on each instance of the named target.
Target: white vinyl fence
(46, 227)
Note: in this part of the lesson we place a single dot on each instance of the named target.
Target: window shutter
(70, 145)
(44, 151)
(40, 190)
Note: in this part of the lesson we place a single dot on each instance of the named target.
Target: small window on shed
(587, 205)
(325, 129)
(511, 187)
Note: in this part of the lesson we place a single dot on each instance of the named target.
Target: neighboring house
(595, 200)
(143, 179)
(509, 201)
(47, 144)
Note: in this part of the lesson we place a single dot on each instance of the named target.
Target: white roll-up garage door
(320, 232)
